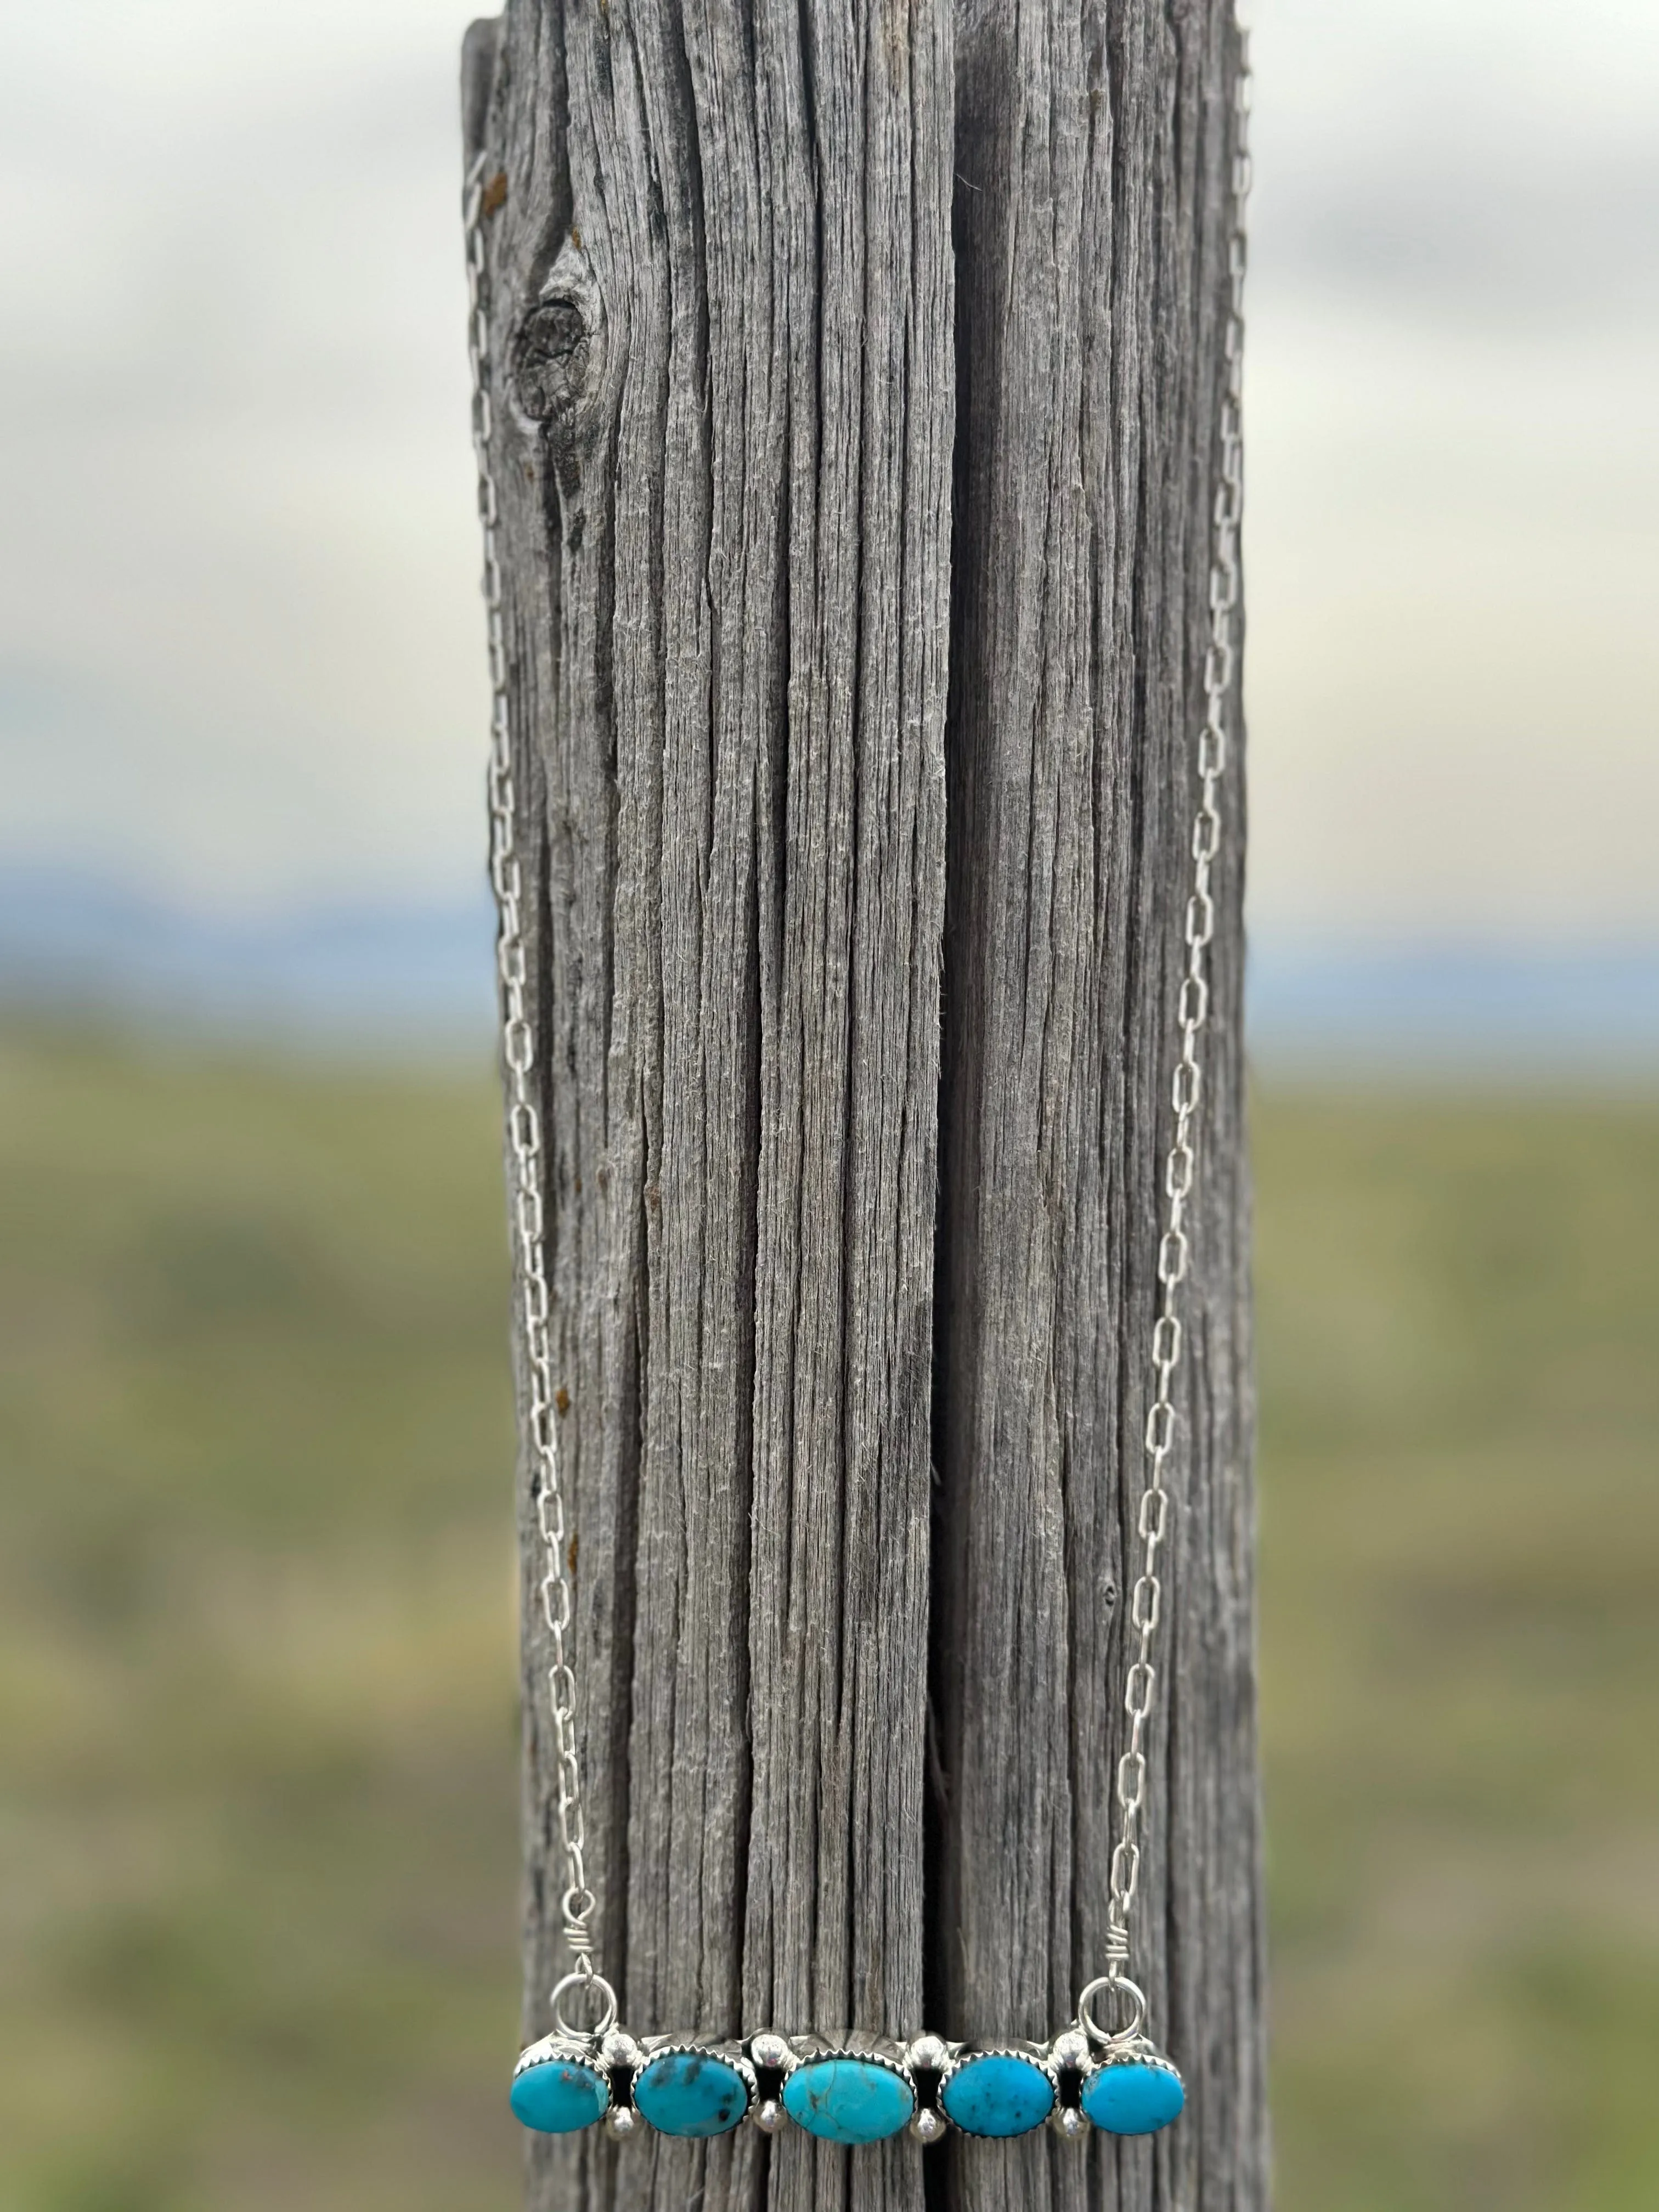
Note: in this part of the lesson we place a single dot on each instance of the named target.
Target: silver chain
(527, 1155)
(524, 1144)
(1192, 1011)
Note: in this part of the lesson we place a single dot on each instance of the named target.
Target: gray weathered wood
(728, 574)
(727, 382)
(1093, 153)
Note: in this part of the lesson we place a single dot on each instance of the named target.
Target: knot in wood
(558, 353)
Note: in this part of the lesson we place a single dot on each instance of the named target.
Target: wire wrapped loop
(591, 1984)
(1119, 1987)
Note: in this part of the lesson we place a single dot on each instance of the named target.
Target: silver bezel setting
(877, 2050)
(1142, 2052)
(557, 2049)
(608, 2057)
(883, 2049)
(691, 2047)
(1033, 2054)
(569, 2050)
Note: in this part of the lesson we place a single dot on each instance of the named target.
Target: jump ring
(595, 1984)
(1120, 1985)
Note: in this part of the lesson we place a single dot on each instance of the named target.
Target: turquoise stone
(848, 2100)
(560, 2095)
(690, 2093)
(1132, 2097)
(997, 2094)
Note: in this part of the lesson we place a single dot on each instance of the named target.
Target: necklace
(1093, 2074)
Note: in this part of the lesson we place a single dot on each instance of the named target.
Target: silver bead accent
(928, 2126)
(622, 2120)
(932, 2053)
(768, 2118)
(1071, 2047)
(618, 2048)
(1066, 2120)
(771, 2049)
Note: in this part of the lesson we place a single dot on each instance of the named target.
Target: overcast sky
(239, 641)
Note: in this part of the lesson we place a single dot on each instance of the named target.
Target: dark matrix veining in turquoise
(1081, 2082)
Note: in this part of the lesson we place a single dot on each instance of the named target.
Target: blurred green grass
(257, 1932)
(1459, 1349)
(255, 1641)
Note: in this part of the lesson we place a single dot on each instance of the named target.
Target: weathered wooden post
(855, 386)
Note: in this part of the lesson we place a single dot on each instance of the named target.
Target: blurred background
(257, 1773)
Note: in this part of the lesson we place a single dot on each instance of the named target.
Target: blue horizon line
(419, 972)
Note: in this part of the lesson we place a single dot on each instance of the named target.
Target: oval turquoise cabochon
(1132, 2098)
(559, 2096)
(848, 2099)
(690, 2093)
(997, 2094)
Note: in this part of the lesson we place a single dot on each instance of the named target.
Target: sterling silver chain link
(526, 1151)
(525, 1141)
(1192, 1011)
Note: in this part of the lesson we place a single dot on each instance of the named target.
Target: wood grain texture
(725, 237)
(1093, 202)
(849, 1720)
